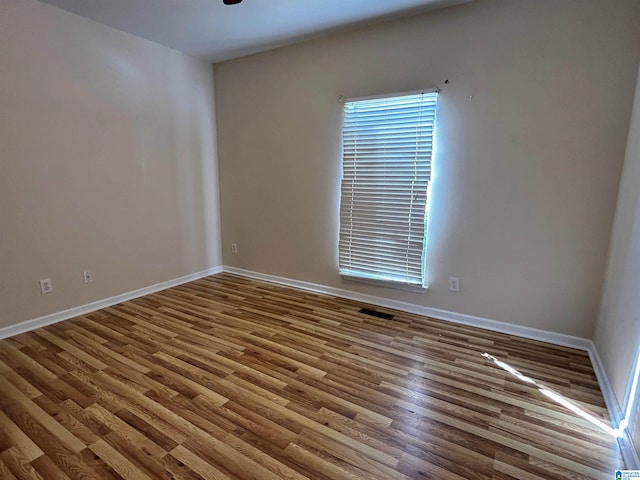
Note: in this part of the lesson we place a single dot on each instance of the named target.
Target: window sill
(386, 283)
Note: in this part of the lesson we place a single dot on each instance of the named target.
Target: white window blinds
(387, 149)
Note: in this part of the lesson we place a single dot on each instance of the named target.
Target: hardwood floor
(228, 378)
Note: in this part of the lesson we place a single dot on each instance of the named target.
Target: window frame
(348, 274)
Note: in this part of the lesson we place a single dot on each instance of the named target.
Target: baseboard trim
(461, 318)
(29, 325)
(610, 400)
(629, 452)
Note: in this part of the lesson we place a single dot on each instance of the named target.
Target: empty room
(319, 239)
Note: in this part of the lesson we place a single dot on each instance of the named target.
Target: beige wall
(531, 137)
(617, 336)
(107, 161)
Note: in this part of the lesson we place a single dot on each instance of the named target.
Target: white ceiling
(209, 30)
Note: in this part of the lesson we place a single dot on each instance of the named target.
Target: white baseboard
(461, 318)
(29, 325)
(629, 452)
(615, 412)
(610, 400)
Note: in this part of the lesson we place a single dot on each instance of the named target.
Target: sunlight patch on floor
(557, 397)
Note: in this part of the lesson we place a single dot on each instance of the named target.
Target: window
(386, 171)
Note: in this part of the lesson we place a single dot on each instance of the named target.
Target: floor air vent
(375, 313)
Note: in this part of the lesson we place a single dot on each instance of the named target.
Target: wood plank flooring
(229, 378)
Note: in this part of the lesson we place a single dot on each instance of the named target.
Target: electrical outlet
(88, 276)
(454, 284)
(46, 286)
(234, 248)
